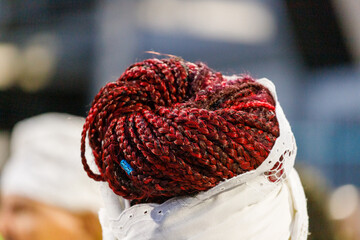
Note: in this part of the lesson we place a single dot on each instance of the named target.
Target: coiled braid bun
(170, 127)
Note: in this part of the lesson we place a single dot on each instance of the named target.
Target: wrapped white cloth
(266, 203)
(45, 163)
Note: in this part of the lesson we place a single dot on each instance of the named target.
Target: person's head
(170, 128)
(44, 192)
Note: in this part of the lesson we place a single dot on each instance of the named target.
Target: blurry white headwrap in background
(45, 163)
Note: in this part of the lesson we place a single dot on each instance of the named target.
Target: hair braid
(170, 127)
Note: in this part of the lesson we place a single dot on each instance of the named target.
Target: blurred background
(56, 54)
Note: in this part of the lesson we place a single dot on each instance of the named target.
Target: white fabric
(249, 206)
(45, 163)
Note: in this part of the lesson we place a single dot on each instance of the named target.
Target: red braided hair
(170, 127)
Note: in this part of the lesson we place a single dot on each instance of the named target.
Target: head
(169, 128)
(44, 193)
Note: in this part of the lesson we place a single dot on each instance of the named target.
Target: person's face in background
(25, 219)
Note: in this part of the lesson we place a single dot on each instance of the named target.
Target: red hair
(170, 127)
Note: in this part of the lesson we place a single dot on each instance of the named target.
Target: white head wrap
(45, 163)
(265, 203)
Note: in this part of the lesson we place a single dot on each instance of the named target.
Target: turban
(191, 144)
(44, 163)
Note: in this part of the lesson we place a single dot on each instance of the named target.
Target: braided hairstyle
(170, 128)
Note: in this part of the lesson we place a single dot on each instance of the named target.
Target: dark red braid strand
(169, 128)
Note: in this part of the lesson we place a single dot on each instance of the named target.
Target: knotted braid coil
(179, 128)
